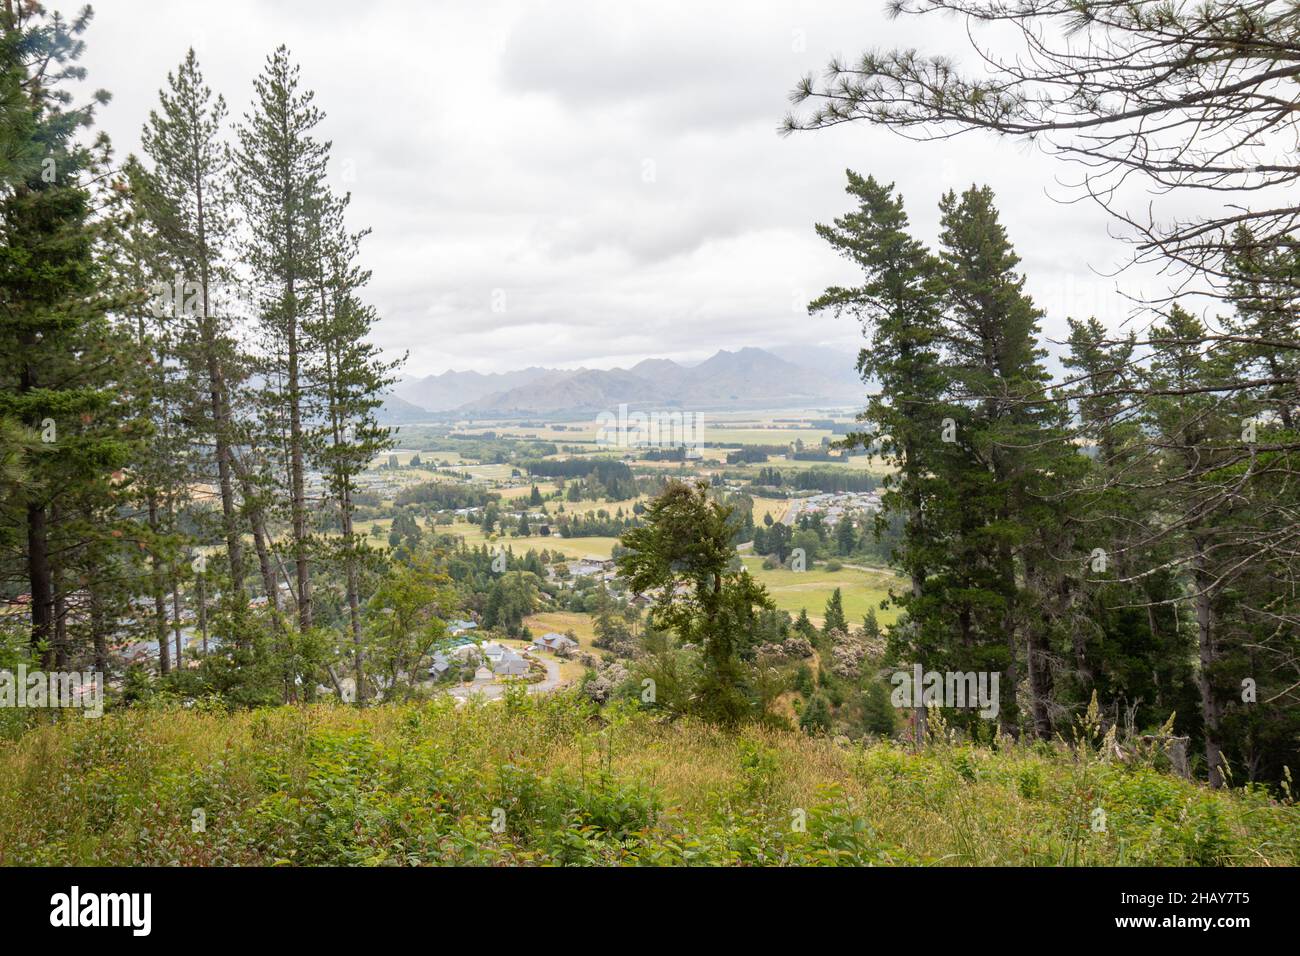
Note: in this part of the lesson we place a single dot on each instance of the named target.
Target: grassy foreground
(548, 780)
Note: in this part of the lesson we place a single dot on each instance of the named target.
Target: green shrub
(1029, 782)
(552, 779)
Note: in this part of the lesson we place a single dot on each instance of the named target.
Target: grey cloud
(502, 145)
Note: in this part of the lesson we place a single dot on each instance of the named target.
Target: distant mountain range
(747, 378)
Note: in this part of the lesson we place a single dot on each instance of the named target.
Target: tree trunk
(297, 491)
(1009, 710)
(1081, 664)
(40, 575)
(219, 397)
(343, 481)
(1208, 657)
(261, 544)
(1040, 680)
(61, 650)
(41, 581)
(203, 614)
(98, 632)
(229, 517)
(257, 523)
(916, 517)
(176, 619)
(159, 598)
(160, 623)
(354, 603)
(1051, 593)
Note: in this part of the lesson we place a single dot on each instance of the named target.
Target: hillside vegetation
(553, 780)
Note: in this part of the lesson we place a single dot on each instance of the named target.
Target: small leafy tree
(406, 618)
(685, 556)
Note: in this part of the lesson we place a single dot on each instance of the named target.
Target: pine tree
(804, 626)
(816, 716)
(349, 378)
(871, 626)
(163, 469)
(685, 553)
(878, 715)
(898, 305)
(1198, 434)
(834, 621)
(19, 156)
(1008, 455)
(846, 538)
(1265, 296)
(187, 198)
(280, 169)
(1125, 638)
(61, 359)
(1257, 646)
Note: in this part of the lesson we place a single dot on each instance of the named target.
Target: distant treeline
(486, 448)
(753, 454)
(815, 479)
(835, 428)
(601, 524)
(444, 495)
(664, 454)
(606, 471)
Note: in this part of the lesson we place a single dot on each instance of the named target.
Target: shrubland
(556, 780)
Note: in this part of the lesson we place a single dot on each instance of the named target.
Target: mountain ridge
(746, 377)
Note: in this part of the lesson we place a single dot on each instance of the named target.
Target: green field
(791, 591)
(488, 472)
(593, 547)
(796, 590)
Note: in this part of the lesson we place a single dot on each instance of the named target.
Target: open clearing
(797, 590)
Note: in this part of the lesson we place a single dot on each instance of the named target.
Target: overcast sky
(592, 183)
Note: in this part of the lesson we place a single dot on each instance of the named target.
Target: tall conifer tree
(280, 170)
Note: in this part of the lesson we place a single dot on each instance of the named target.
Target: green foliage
(816, 716)
(685, 555)
(834, 620)
(406, 618)
(878, 715)
(65, 361)
(542, 780)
